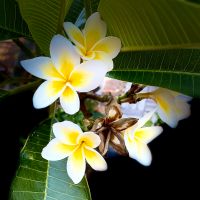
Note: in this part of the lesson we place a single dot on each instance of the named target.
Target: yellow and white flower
(64, 75)
(137, 137)
(78, 146)
(172, 106)
(92, 43)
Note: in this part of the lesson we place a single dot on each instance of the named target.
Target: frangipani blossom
(137, 137)
(64, 75)
(78, 146)
(92, 43)
(172, 106)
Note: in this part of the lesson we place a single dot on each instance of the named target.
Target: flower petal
(67, 132)
(56, 150)
(102, 56)
(143, 120)
(184, 97)
(90, 139)
(76, 165)
(95, 29)
(88, 75)
(69, 100)
(147, 134)
(110, 45)
(41, 67)
(166, 109)
(94, 159)
(74, 33)
(47, 93)
(182, 109)
(64, 55)
(138, 151)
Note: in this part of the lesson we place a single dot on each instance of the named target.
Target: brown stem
(91, 95)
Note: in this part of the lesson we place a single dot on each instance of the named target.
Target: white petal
(95, 29)
(69, 100)
(184, 97)
(110, 45)
(63, 55)
(47, 93)
(74, 33)
(67, 132)
(76, 165)
(56, 150)
(88, 75)
(147, 134)
(167, 109)
(41, 67)
(182, 109)
(143, 120)
(90, 139)
(138, 151)
(102, 56)
(94, 159)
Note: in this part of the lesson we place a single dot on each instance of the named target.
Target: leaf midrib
(160, 47)
(157, 71)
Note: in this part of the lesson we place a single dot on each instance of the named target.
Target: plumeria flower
(64, 75)
(92, 43)
(137, 137)
(172, 106)
(78, 146)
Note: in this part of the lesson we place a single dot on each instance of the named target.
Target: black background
(174, 171)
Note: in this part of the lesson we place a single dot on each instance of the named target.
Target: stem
(24, 88)
(88, 7)
(147, 95)
(93, 96)
(52, 110)
(26, 50)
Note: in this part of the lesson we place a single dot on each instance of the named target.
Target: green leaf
(74, 11)
(152, 24)
(38, 179)
(174, 69)
(154, 34)
(11, 23)
(44, 19)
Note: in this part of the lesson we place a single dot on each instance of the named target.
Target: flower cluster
(72, 69)
(80, 65)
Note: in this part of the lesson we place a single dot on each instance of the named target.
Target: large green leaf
(38, 179)
(153, 32)
(152, 24)
(11, 23)
(74, 11)
(174, 69)
(44, 19)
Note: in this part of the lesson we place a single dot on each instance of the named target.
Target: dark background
(174, 171)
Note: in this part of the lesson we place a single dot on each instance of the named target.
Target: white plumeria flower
(172, 106)
(137, 137)
(78, 146)
(92, 43)
(64, 75)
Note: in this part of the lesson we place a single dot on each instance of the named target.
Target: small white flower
(78, 146)
(92, 43)
(172, 106)
(137, 137)
(64, 75)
